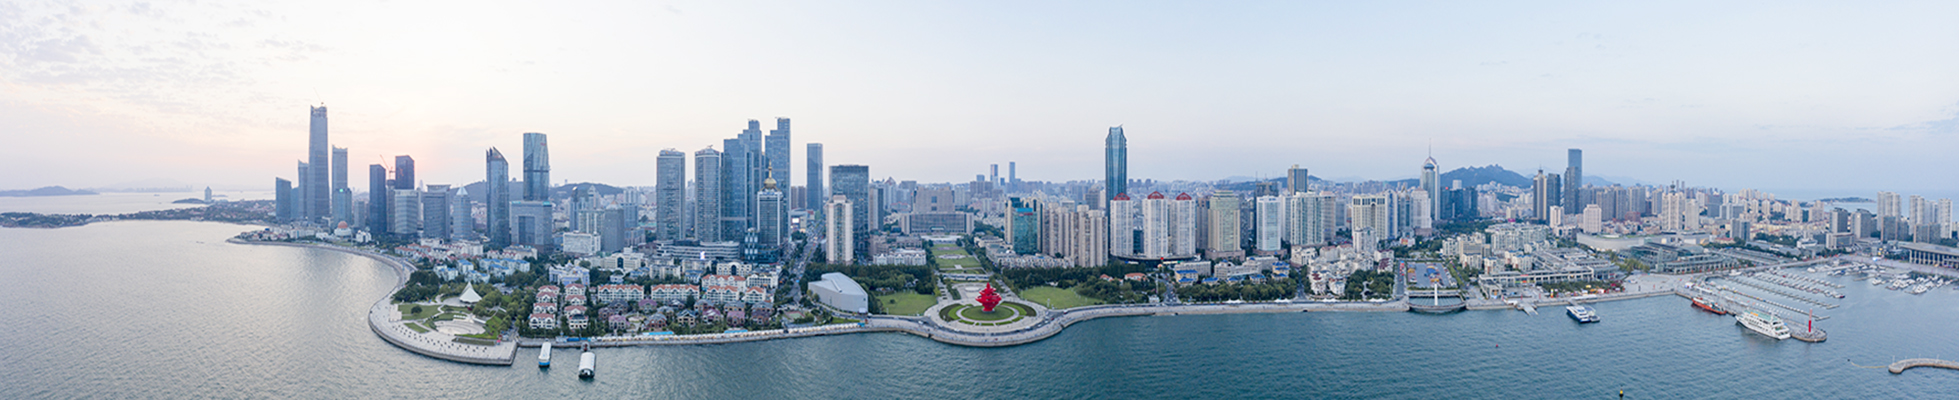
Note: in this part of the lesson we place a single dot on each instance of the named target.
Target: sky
(1857, 96)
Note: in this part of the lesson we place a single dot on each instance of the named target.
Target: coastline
(382, 313)
(382, 320)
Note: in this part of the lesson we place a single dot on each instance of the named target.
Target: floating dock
(1902, 365)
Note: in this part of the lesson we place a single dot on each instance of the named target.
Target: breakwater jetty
(1902, 365)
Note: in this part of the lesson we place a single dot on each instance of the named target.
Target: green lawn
(906, 303)
(426, 311)
(944, 264)
(417, 328)
(448, 316)
(1056, 298)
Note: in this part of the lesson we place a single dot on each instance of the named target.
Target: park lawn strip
(427, 310)
(906, 303)
(1056, 298)
(417, 328)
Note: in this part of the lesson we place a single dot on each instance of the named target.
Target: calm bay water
(167, 309)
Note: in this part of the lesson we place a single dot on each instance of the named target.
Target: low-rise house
(618, 293)
(576, 321)
(544, 308)
(619, 322)
(543, 320)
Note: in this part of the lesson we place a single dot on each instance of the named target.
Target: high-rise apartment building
(1375, 213)
(1546, 192)
(1116, 165)
(1887, 205)
(1311, 217)
(814, 186)
(1125, 238)
(1270, 217)
(496, 176)
(838, 229)
(537, 168)
(670, 187)
(300, 197)
(1225, 236)
(1592, 221)
(316, 203)
(707, 195)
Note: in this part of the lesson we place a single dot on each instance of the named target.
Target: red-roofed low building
(544, 308)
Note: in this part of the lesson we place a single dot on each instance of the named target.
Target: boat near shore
(544, 356)
(1582, 314)
(588, 363)
(1763, 323)
(1705, 305)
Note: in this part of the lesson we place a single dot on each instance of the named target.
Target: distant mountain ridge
(46, 191)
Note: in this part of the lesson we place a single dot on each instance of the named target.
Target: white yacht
(1763, 323)
(1582, 314)
(544, 356)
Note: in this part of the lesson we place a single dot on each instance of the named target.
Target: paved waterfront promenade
(385, 319)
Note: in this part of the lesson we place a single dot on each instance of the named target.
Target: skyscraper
(404, 173)
(537, 168)
(1545, 193)
(1013, 178)
(377, 200)
(435, 212)
(405, 213)
(301, 200)
(853, 182)
(1024, 225)
(343, 196)
(741, 161)
(670, 185)
(316, 202)
(1574, 182)
(1116, 165)
(530, 224)
(707, 195)
(1888, 205)
(1310, 218)
(771, 216)
(282, 195)
(817, 196)
(1296, 179)
(1432, 183)
(777, 152)
(497, 178)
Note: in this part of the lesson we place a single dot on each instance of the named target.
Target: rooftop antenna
(316, 95)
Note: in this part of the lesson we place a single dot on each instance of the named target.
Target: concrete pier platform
(1902, 365)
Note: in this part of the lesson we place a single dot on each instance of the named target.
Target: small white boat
(544, 356)
(588, 363)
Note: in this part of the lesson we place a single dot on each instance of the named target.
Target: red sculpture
(988, 299)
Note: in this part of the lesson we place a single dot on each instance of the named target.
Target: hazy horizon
(1814, 96)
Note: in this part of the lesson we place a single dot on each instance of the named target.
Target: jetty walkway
(385, 319)
(1902, 365)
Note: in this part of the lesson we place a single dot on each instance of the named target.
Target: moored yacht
(1763, 323)
(544, 356)
(1582, 314)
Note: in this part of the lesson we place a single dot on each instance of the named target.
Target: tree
(417, 309)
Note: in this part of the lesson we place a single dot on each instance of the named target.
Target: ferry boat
(544, 356)
(588, 363)
(1582, 314)
(1705, 305)
(1763, 323)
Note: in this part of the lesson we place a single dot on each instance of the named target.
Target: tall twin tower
(322, 194)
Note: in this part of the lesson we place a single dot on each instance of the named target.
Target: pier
(1902, 365)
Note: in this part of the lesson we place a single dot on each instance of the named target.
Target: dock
(1902, 365)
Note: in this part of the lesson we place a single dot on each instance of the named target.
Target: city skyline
(1656, 105)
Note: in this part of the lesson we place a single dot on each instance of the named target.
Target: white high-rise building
(1310, 218)
(1887, 205)
(1375, 212)
(1156, 225)
(1423, 207)
(1271, 215)
(1557, 216)
(1183, 225)
(1122, 226)
(838, 232)
(1226, 240)
(1593, 219)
